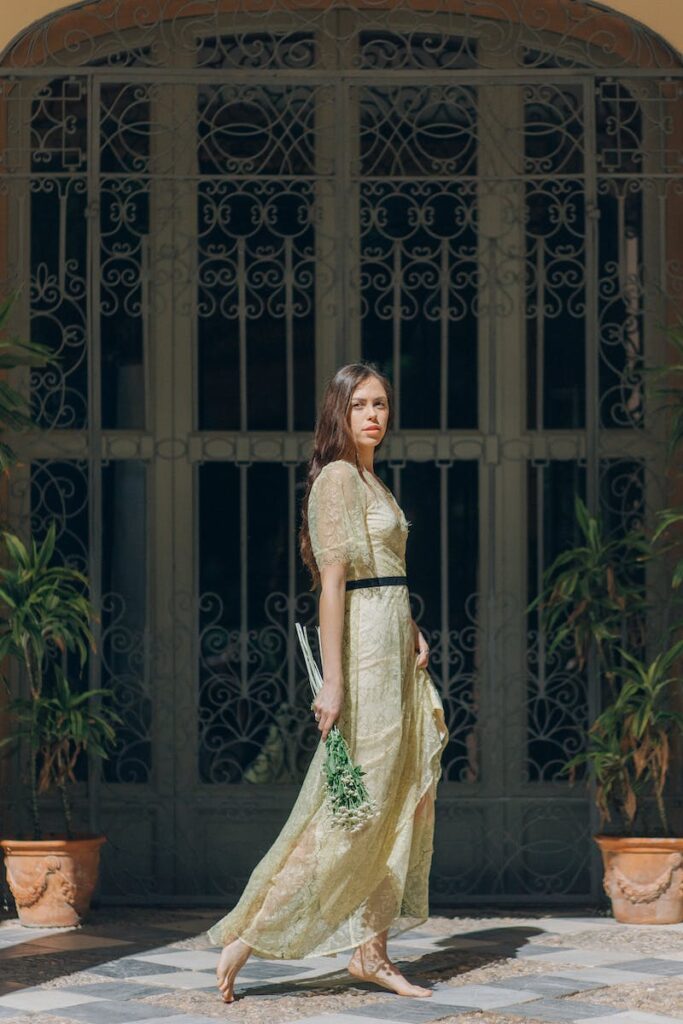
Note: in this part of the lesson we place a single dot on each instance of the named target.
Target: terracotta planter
(643, 878)
(52, 879)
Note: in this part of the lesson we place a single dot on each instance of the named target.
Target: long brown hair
(332, 439)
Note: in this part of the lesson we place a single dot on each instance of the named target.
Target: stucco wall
(664, 16)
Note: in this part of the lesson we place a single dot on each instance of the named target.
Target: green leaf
(17, 550)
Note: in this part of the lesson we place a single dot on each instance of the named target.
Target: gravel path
(463, 951)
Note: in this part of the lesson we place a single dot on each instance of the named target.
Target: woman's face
(369, 413)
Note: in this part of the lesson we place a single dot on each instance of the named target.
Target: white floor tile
(676, 955)
(340, 1018)
(190, 959)
(630, 1017)
(564, 925)
(605, 975)
(45, 999)
(183, 979)
(586, 957)
(180, 1018)
(481, 997)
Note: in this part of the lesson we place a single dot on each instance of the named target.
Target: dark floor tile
(114, 1012)
(471, 942)
(118, 989)
(397, 951)
(149, 950)
(73, 943)
(7, 987)
(266, 969)
(558, 1010)
(23, 949)
(130, 968)
(534, 949)
(546, 984)
(414, 1011)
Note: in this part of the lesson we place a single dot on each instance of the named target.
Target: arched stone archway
(214, 210)
(668, 24)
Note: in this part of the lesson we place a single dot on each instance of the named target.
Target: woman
(319, 890)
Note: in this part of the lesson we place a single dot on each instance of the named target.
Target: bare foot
(231, 961)
(383, 972)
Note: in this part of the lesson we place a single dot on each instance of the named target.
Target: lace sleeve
(336, 518)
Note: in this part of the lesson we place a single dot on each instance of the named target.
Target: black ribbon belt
(377, 581)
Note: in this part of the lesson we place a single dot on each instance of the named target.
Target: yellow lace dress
(318, 890)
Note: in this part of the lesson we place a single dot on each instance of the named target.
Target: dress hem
(436, 751)
(263, 954)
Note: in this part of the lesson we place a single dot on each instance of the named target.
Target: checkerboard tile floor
(150, 969)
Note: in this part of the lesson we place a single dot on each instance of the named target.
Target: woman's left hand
(422, 647)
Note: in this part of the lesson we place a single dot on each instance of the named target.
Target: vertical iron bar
(592, 313)
(621, 242)
(491, 758)
(540, 469)
(396, 334)
(145, 313)
(342, 156)
(291, 586)
(396, 482)
(444, 577)
(243, 470)
(291, 474)
(592, 379)
(491, 420)
(94, 414)
(289, 332)
(242, 320)
(244, 578)
(62, 229)
(443, 310)
(540, 335)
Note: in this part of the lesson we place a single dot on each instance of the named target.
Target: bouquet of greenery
(348, 800)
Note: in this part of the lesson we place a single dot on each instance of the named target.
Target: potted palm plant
(45, 618)
(592, 601)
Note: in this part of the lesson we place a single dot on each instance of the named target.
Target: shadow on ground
(459, 954)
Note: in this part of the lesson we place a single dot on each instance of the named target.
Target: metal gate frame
(181, 836)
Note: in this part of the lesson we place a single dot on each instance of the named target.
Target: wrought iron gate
(206, 216)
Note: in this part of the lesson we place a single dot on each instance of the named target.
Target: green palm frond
(15, 410)
(45, 609)
(629, 742)
(589, 594)
(671, 390)
(592, 600)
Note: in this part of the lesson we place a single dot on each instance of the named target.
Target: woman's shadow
(451, 955)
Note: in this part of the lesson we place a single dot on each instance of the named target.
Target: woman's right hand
(327, 706)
